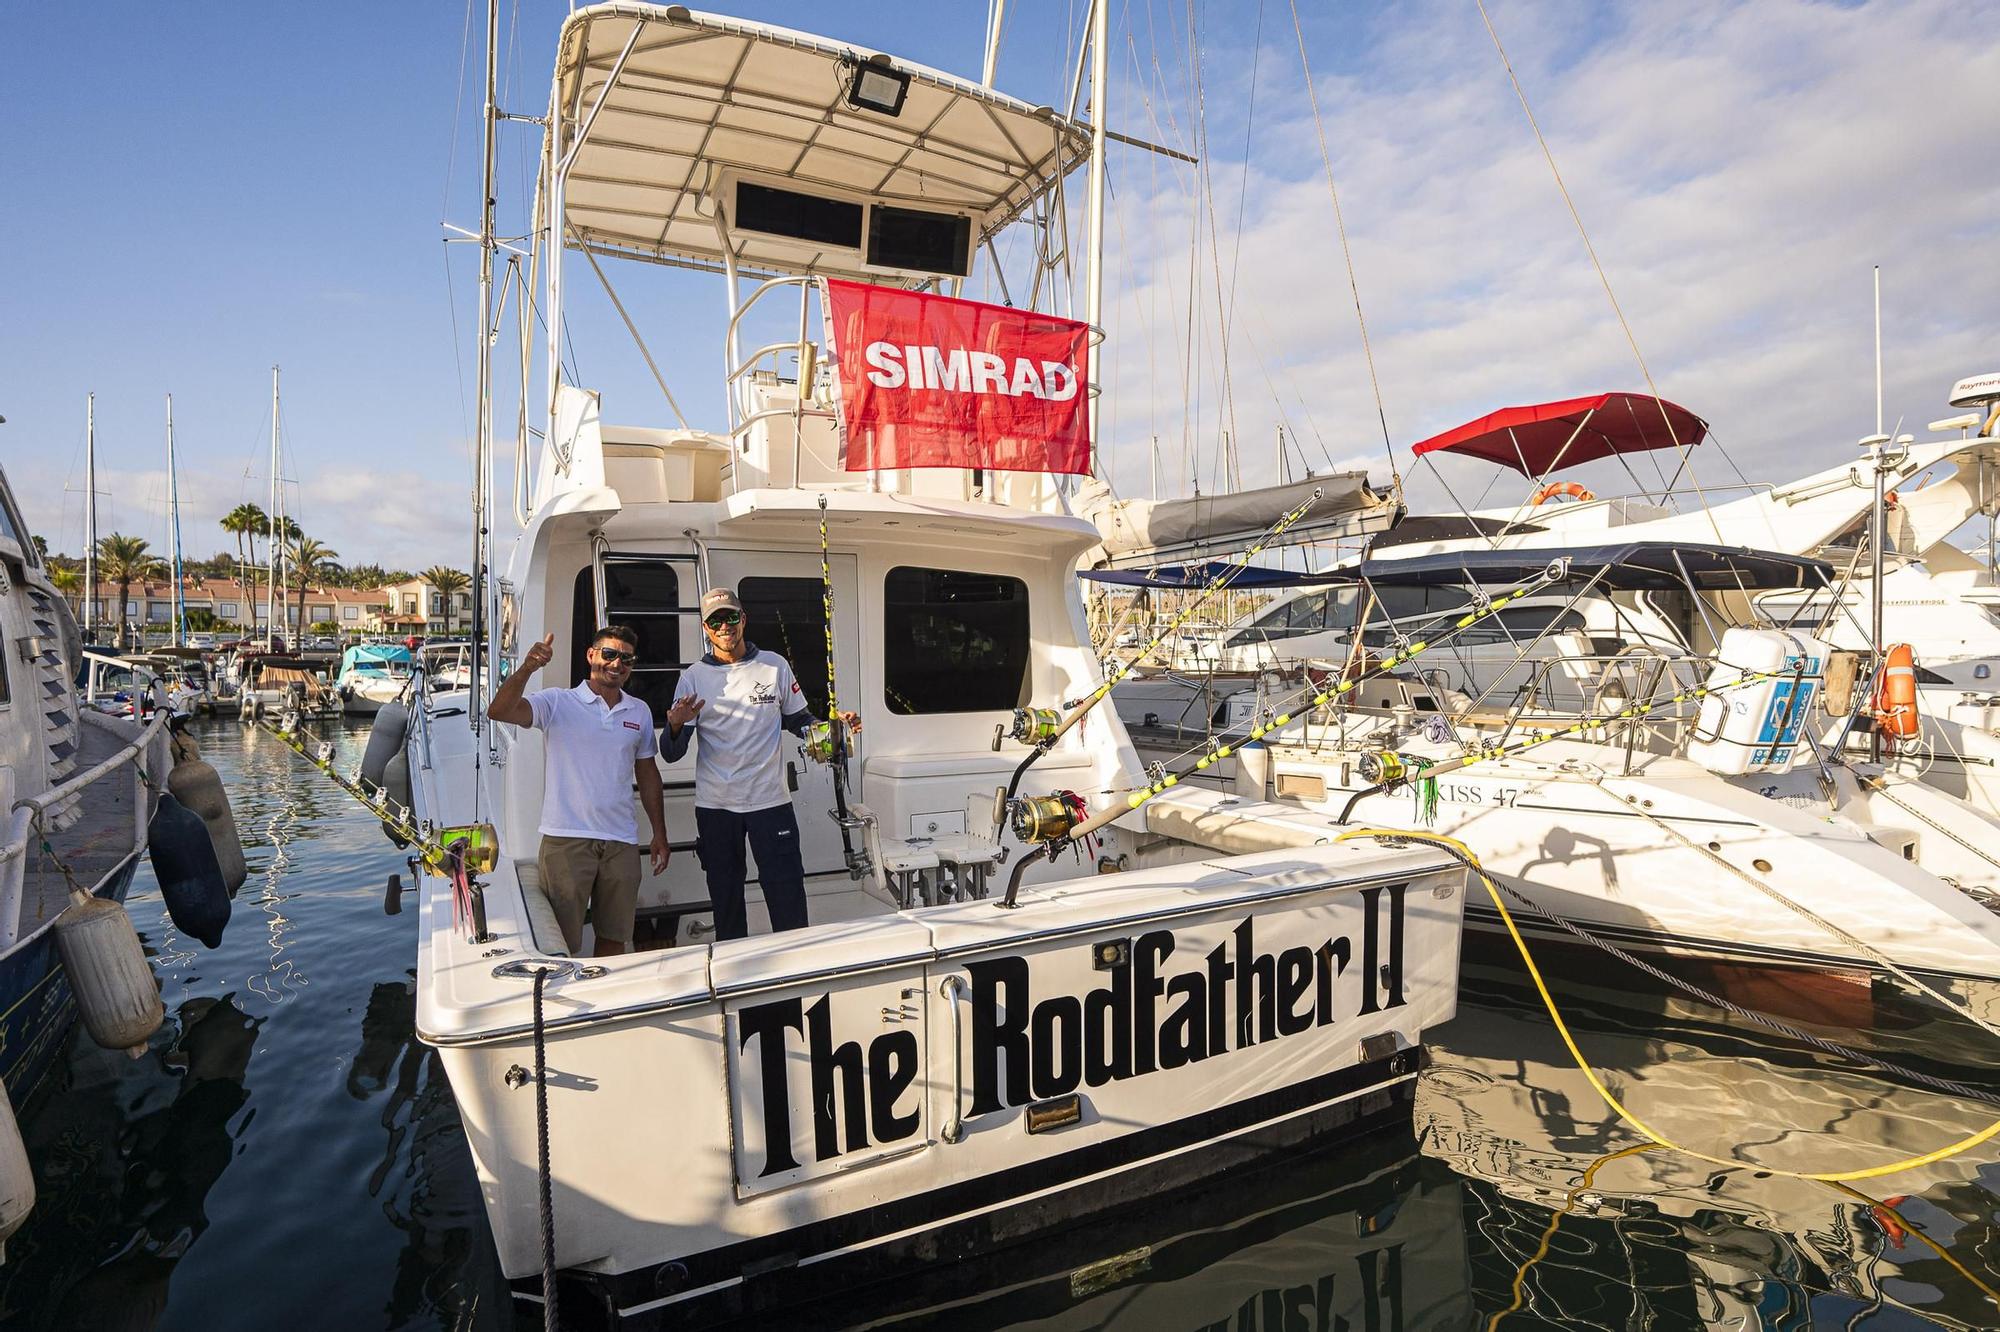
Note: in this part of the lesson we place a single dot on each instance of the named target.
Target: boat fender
(396, 783)
(17, 1180)
(1896, 695)
(116, 995)
(197, 785)
(392, 896)
(385, 738)
(190, 877)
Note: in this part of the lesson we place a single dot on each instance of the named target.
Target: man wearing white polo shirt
(600, 741)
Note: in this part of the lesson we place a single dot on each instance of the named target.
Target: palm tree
(246, 522)
(69, 582)
(124, 560)
(309, 559)
(447, 583)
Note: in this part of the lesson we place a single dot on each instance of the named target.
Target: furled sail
(1142, 531)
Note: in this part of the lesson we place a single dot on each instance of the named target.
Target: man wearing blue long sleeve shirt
(740, 701)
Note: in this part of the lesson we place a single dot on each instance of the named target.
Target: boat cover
(1184, 576)
(1627, 566)
(1143, 531)
(1536, 439)
(702, 94)
(388, 654)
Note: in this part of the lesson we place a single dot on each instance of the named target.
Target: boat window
(954, 642)
(1516, 624)
(644, 595)
(6, 691)
(788, 616)
(12, 528)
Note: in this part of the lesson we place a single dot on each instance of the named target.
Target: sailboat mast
(90, 518)
(277, 523)
(483, 390)
(174, 529)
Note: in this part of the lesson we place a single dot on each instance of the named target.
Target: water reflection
(1573, 1195)
(127, 1156)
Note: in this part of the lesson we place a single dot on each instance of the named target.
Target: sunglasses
(613, 656)
(723, 619)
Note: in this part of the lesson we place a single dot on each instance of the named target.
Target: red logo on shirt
(632, 726)
(795, 686)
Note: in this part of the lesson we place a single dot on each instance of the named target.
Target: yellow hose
(1604, 1093)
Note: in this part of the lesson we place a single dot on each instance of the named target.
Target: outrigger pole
(483, 382)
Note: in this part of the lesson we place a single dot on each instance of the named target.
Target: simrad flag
(931, 381)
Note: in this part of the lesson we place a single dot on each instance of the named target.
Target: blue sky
(198, 192)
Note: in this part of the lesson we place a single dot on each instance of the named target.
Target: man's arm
(681, 724)
(647, 773)
(510, 703)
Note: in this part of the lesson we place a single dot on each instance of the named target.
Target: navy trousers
(773, 835)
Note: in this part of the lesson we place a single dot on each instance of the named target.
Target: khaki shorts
(591, 874)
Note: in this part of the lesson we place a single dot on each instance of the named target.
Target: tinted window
(954, 642)
(643, 595)
(788, 616)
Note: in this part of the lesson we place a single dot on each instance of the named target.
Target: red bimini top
(1536, 440)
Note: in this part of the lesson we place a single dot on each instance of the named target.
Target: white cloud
(1739, 167)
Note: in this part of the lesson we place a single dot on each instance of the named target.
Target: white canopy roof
(702, 94)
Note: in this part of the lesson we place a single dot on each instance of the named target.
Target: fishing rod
(1046, 820)
(831, 748)
(1043, 728)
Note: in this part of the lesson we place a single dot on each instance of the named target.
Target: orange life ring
(1896, 694)
(1565, 489)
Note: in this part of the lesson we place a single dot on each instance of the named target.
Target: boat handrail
(77, 781)
(1663, 669)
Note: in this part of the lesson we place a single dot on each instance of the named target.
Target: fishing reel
(818, 742)
(1047, 818)
(1035, 726)
(1382, 767)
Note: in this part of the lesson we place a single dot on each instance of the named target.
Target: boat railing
(1643, 679)
(32, 819)
(745, 416)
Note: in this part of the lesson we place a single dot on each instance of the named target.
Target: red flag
(930, 381)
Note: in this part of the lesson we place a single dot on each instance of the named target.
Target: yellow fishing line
(1604, 1093)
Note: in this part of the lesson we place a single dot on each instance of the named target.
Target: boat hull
(763, 1277)
(873, 1096)
(37, 1007)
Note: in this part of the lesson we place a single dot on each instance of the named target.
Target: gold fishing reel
(818, 742)
(1382, 766)
(1034, 726)
(1047, 818)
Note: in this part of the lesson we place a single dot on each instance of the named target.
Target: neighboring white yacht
(1667, 786)
(975, 1041)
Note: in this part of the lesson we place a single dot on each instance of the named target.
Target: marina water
(286, 1153)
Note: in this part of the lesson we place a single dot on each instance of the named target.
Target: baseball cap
(719, 598)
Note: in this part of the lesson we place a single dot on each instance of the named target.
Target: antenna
(1878, 349)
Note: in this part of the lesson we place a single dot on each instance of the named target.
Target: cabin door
(784, 601)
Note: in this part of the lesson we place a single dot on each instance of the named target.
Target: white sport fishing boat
(994, 1025)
